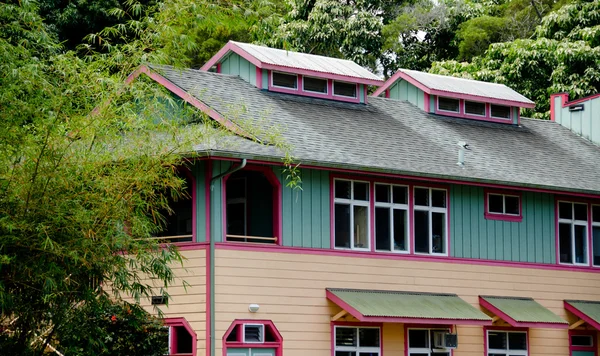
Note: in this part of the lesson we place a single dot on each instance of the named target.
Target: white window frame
(410, 351)
(503, 213)
(478, 102)
(284, 73)
(431, 209)
(447, 97)
(510, 114)
(352, 203)
(507, 351)
(358, 349)
(344, 96)
(573, 222)
(316, 92)
(391, 207)
(591, 232)
(262, 334)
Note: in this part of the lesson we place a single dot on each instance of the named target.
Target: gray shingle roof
(395, 136)
(306, 61)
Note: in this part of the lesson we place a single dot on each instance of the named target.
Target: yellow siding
(290, 289)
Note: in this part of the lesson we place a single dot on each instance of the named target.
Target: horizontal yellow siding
(290, 289)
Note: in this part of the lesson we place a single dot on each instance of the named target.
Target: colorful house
(432, 220)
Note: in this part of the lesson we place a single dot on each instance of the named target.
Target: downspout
(211, 260)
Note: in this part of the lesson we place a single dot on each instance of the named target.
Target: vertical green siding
(216, 199)
(265, 79)
(402, 90)
(515, 115)
(585, 123)
(473, 236)
(361, 93)
(199, 173)
(236, 65)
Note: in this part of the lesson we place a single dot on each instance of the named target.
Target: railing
(172, 239)
(256, 239)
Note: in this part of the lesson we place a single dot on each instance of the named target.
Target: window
(178, 222)
(573, 233)
(474, 108)
(357, 341)
(596, 234)
(430, 223)
(254, 333)
(500, 206)
(351, 214)
(582, 343)
(182, 338)
(252, 206)
(242, 336)
(344, 89)
(448, 104)
(500, 111)
(283, 80)
(420, 343)
(391, 218)
(315, 85)
(506, 343)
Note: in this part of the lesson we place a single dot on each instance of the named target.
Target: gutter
(211, 261)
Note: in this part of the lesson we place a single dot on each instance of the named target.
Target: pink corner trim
(426, 101)
(581, 315)
(259, 83)
(487, 305)
(207, 216)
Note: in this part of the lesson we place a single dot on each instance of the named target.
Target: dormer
(457, 97)
(294, 73)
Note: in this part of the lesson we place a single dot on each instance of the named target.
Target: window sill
(502, 217)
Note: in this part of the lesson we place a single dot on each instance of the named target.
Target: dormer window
(500, 111)
(474, 108)
(314, 85)
(448, 104)
(344, 89)
(284, 80)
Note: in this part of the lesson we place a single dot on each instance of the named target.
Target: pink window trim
(502, 328)
(502, 217)
(487, 305)
(372, 181)
(450, 328)
(594, 336)
(170, 322)
(590, 204)
(333, 324)
(462, 114)
(301, 92)
(277, 202)
(277, 344)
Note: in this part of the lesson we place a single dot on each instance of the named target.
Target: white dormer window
(284, 80)
(500, 111)
(448, 104)
(474, 108)
(344, 89)
(314, 85)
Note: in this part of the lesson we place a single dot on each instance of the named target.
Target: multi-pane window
(391, 218)
(357, 341)
(573, 232)
(500, 111)
(506, 343)
(420, 343)
(284, 80)
(344, 89)
(430, 220)
(315, 85)
(448, 104)
(596, 234)
(503, 204)
(474, 108)
(351, 214)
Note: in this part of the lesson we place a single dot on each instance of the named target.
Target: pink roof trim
(581, 315)
(487, 305)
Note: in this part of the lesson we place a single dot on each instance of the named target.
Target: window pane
(285, 80)
(448, 104)
(421, 231)
(236, 219)
(342, 225)
(475, 108)
(438, 198)
(511, 205)
(565, 210)
(581, 244)
(581, 340)
(345, 337)
(438, 229)
(368, 337)
(382, 193)
(344, 89)
(500, 111)
(497, 340)
(382, 229)
(342, 189)
(564, 236)
(345, 353)
(315, 85)
(401, 195)
(361, 191)
(596, 213)
(418, 339)
(400, 234)
(581, 212)
(422, 196)
(369, 354)
(517, 341)
(495, 204)
(361, 217)
(596, 246)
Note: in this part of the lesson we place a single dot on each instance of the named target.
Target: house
(432, 218)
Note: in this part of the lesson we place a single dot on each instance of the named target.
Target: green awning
(587, 311)
(522, 312)
(407, 307)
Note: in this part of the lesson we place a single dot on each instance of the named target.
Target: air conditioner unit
(444, 340)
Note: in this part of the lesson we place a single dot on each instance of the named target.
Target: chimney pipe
(463, 146)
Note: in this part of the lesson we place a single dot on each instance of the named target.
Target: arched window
(252, 337)
(180, 222)
(182, 338)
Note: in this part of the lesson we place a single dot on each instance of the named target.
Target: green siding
(199, 173)
(583, 353)
(402, 90)
(236, 65)
(361, 93)
(585, 123)
(473, 236)
(265, 79)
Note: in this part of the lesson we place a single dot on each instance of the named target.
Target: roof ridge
(452, 77)
(292, 51)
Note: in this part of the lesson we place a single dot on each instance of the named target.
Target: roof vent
(461, 152)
